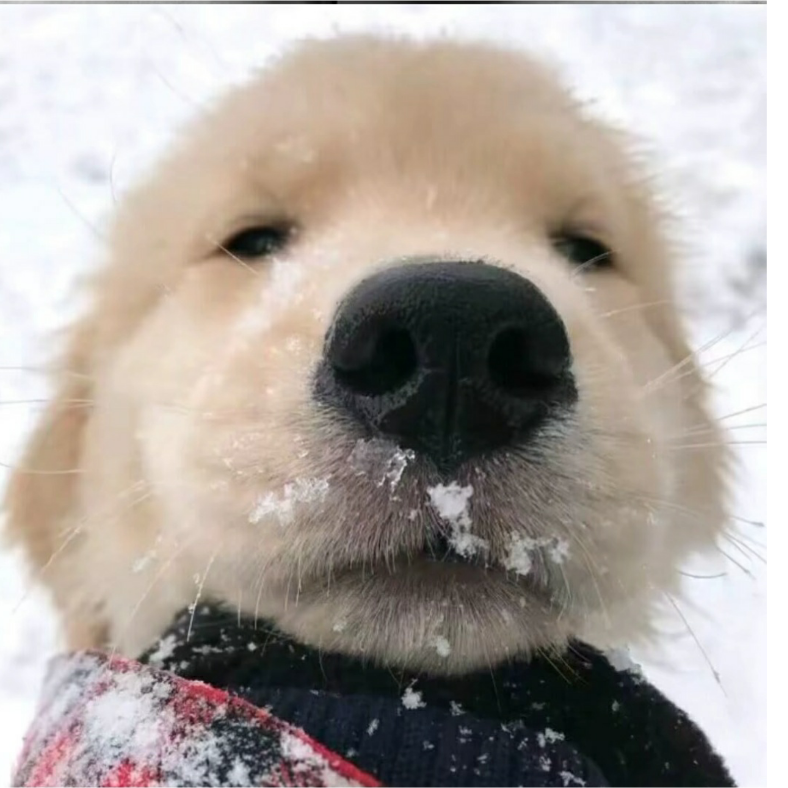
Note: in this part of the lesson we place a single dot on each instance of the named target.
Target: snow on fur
(452, 502)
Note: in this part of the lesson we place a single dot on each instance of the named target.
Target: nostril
(377, 363)
(519, 363)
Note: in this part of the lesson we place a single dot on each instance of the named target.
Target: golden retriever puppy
(386, 352)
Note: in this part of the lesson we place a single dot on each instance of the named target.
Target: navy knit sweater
(577, 721)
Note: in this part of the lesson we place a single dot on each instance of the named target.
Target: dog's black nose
(452, 359)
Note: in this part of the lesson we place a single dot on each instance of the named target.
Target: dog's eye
(257, 241)
(583, 251)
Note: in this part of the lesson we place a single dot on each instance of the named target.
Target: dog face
(386, 352)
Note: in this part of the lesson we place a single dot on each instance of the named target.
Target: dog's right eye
(257, 242)
(582, 250)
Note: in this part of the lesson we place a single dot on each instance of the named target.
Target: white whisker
(635, 307)
(697, 643)
(234, 257)
(690, 357)
(199, 594)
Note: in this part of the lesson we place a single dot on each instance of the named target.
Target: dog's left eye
(583, 251)
(257, 241)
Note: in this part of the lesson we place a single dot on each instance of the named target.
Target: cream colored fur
(183, 406)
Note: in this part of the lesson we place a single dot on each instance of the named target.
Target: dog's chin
(439, 614)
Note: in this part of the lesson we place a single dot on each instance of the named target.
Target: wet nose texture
(451, 359)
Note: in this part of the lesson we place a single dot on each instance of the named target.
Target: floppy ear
(42, 499)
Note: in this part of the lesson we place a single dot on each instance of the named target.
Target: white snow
(621, 659)
(283, 505)
(305, 759)
(381, 460)
(164, 649)
(521, 548)
(570, 779)
(126, 719)
(558, 550)
(411, 699)
(518, 557)
(451, 502)
(442, 646)
(239, 774)
(89, 94)
(549, 736)
(141, 563)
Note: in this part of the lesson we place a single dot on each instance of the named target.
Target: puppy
(386, 352)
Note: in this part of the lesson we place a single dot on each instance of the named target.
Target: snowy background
(90, 94)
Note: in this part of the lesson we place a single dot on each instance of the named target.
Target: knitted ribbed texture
(569, 721)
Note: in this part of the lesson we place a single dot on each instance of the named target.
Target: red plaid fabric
(109, 721)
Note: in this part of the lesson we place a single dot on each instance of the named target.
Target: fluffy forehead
(353, 90)
(483, 127)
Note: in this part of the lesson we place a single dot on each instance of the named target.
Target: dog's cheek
(623, 460)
